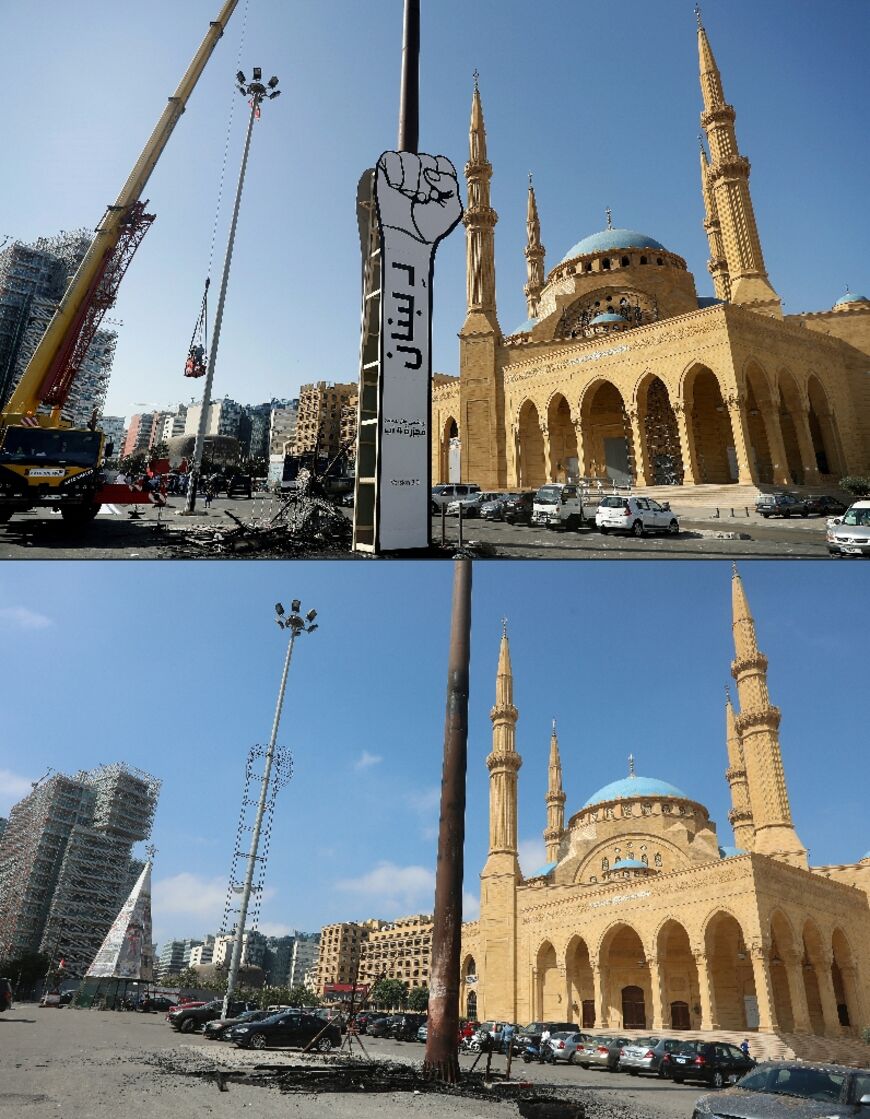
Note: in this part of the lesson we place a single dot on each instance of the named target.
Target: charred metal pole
(442, 1043)
(409, 97)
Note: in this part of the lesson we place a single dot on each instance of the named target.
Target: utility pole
(442, 1060)
(409, 94)
(296, 624)
(258, 92)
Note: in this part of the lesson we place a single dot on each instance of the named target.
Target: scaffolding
(33, 279)
(66, 861)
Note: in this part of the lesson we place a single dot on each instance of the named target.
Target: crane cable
(197, 354)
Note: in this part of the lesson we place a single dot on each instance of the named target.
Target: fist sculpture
(418, 195)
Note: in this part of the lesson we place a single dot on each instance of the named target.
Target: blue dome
(612, 239)
(629, 864)
(607, 316)
(850, 297)
(731, 852)
(635, 787)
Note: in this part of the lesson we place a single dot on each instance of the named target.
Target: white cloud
(275, 928)
(13, 788)
(20, 617)
(470, 906)
(194, 904)
(393, 890)
(532, 854)
(366, 760)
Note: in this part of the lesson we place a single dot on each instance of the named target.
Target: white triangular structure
(126, 951)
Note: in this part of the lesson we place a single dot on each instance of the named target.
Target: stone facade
(641, 919)
(621, 372)
(400, 949)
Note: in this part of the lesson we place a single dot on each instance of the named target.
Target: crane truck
(44, 460)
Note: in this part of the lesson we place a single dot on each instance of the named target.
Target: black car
(517, 509)
(405, 1026)
(196, 1017)
(823, 505)
(218, 1029)
(781, 505)
(290, 1028)
(5, 994)
(714, 1062)
(381, 1027)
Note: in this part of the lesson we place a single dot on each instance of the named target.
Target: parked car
(637, 515)
(381, 1026)
(365, 1018)
(289, 1028)
(792, 1090)
(518, 508)
(493, 510)
(471, 504)
(601, 1052)
(715, 1062)
(564, 1044)
(559, 505)
(405, 1026)
(156, 1003)
(423, 1032)
(781, 505)
(53, 998)
(530, 1035)
(5, 994)
(824, 505)
(849, 535)
(445, 493)
(189, 1018)
(649, 1054)
(218, 1029)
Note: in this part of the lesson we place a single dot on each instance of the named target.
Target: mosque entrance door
(471, 1005)
(633, 1009)
(680, 1016)
(616, 460)
(588, 1014)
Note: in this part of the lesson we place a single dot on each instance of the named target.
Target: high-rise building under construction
(66, 862)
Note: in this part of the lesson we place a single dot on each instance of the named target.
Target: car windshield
(47, 447)
(806, 1083)
(612, 502)
(857, 517)
(548, 495)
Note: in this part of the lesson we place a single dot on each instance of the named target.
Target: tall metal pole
(409, 97)
(255, 837)
(199, 445)
(442, 1060)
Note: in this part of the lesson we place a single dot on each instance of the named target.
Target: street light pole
(257, 93)
(296, 624)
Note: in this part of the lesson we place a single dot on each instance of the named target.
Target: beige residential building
(643, 918)
(400, 949)
(341, 944)
(322, 418)
(623, 374)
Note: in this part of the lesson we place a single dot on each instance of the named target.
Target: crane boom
(59, 342)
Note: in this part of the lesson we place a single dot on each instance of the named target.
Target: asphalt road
(41, 534)
(89, 1064)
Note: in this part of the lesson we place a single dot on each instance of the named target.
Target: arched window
(645, 860)
(605, 864)
(658, 860)
(605, 264)
(588, 267)
(659, 260)
(624, 262)
(643, 260)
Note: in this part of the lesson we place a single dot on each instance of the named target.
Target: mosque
(642, 918)
(623, 373)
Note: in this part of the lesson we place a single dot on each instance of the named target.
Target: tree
(189, 978)
(25, 971)
(388, 993)
(859, 487)
(299, 995)
(418, 999)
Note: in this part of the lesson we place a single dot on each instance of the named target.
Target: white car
(849, 535)
(637, 515)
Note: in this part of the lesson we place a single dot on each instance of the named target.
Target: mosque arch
(607, 442)
(823, 429)
(781, 954)
(623, 963)
(659, 431)
(678, 975)
(733, 998)
(709, 424)
(562, 438)
(790, 408)
(844, 976)
(548, 996)
(531, 465)
(760, 418)
(579, 982)
(468, 980)
(449, 447)
(814, 967)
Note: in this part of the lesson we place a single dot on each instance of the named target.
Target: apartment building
(400, 949)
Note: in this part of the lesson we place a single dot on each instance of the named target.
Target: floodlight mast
(296, 625)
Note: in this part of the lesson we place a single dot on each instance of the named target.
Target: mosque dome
(851, 297)
(635, 786)
(609, 239)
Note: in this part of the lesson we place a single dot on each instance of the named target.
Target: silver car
(648, 1054)
(792, 1090)
(849, 535)
(564, 1045)
(601, 1052)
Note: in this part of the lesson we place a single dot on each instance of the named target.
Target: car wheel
(187, 1026)
(674, 527)
(324, 1045)
(637, 528)
(258, 1041)
(584, 1064)
(526, 1058)
(632, 1072)
(677, 1079)
(787, 514)
(805, 513)
(571, 1059)
(718, 1080)
(602, 529)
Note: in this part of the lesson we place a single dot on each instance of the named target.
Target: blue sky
(174, 667)
(600, 102)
